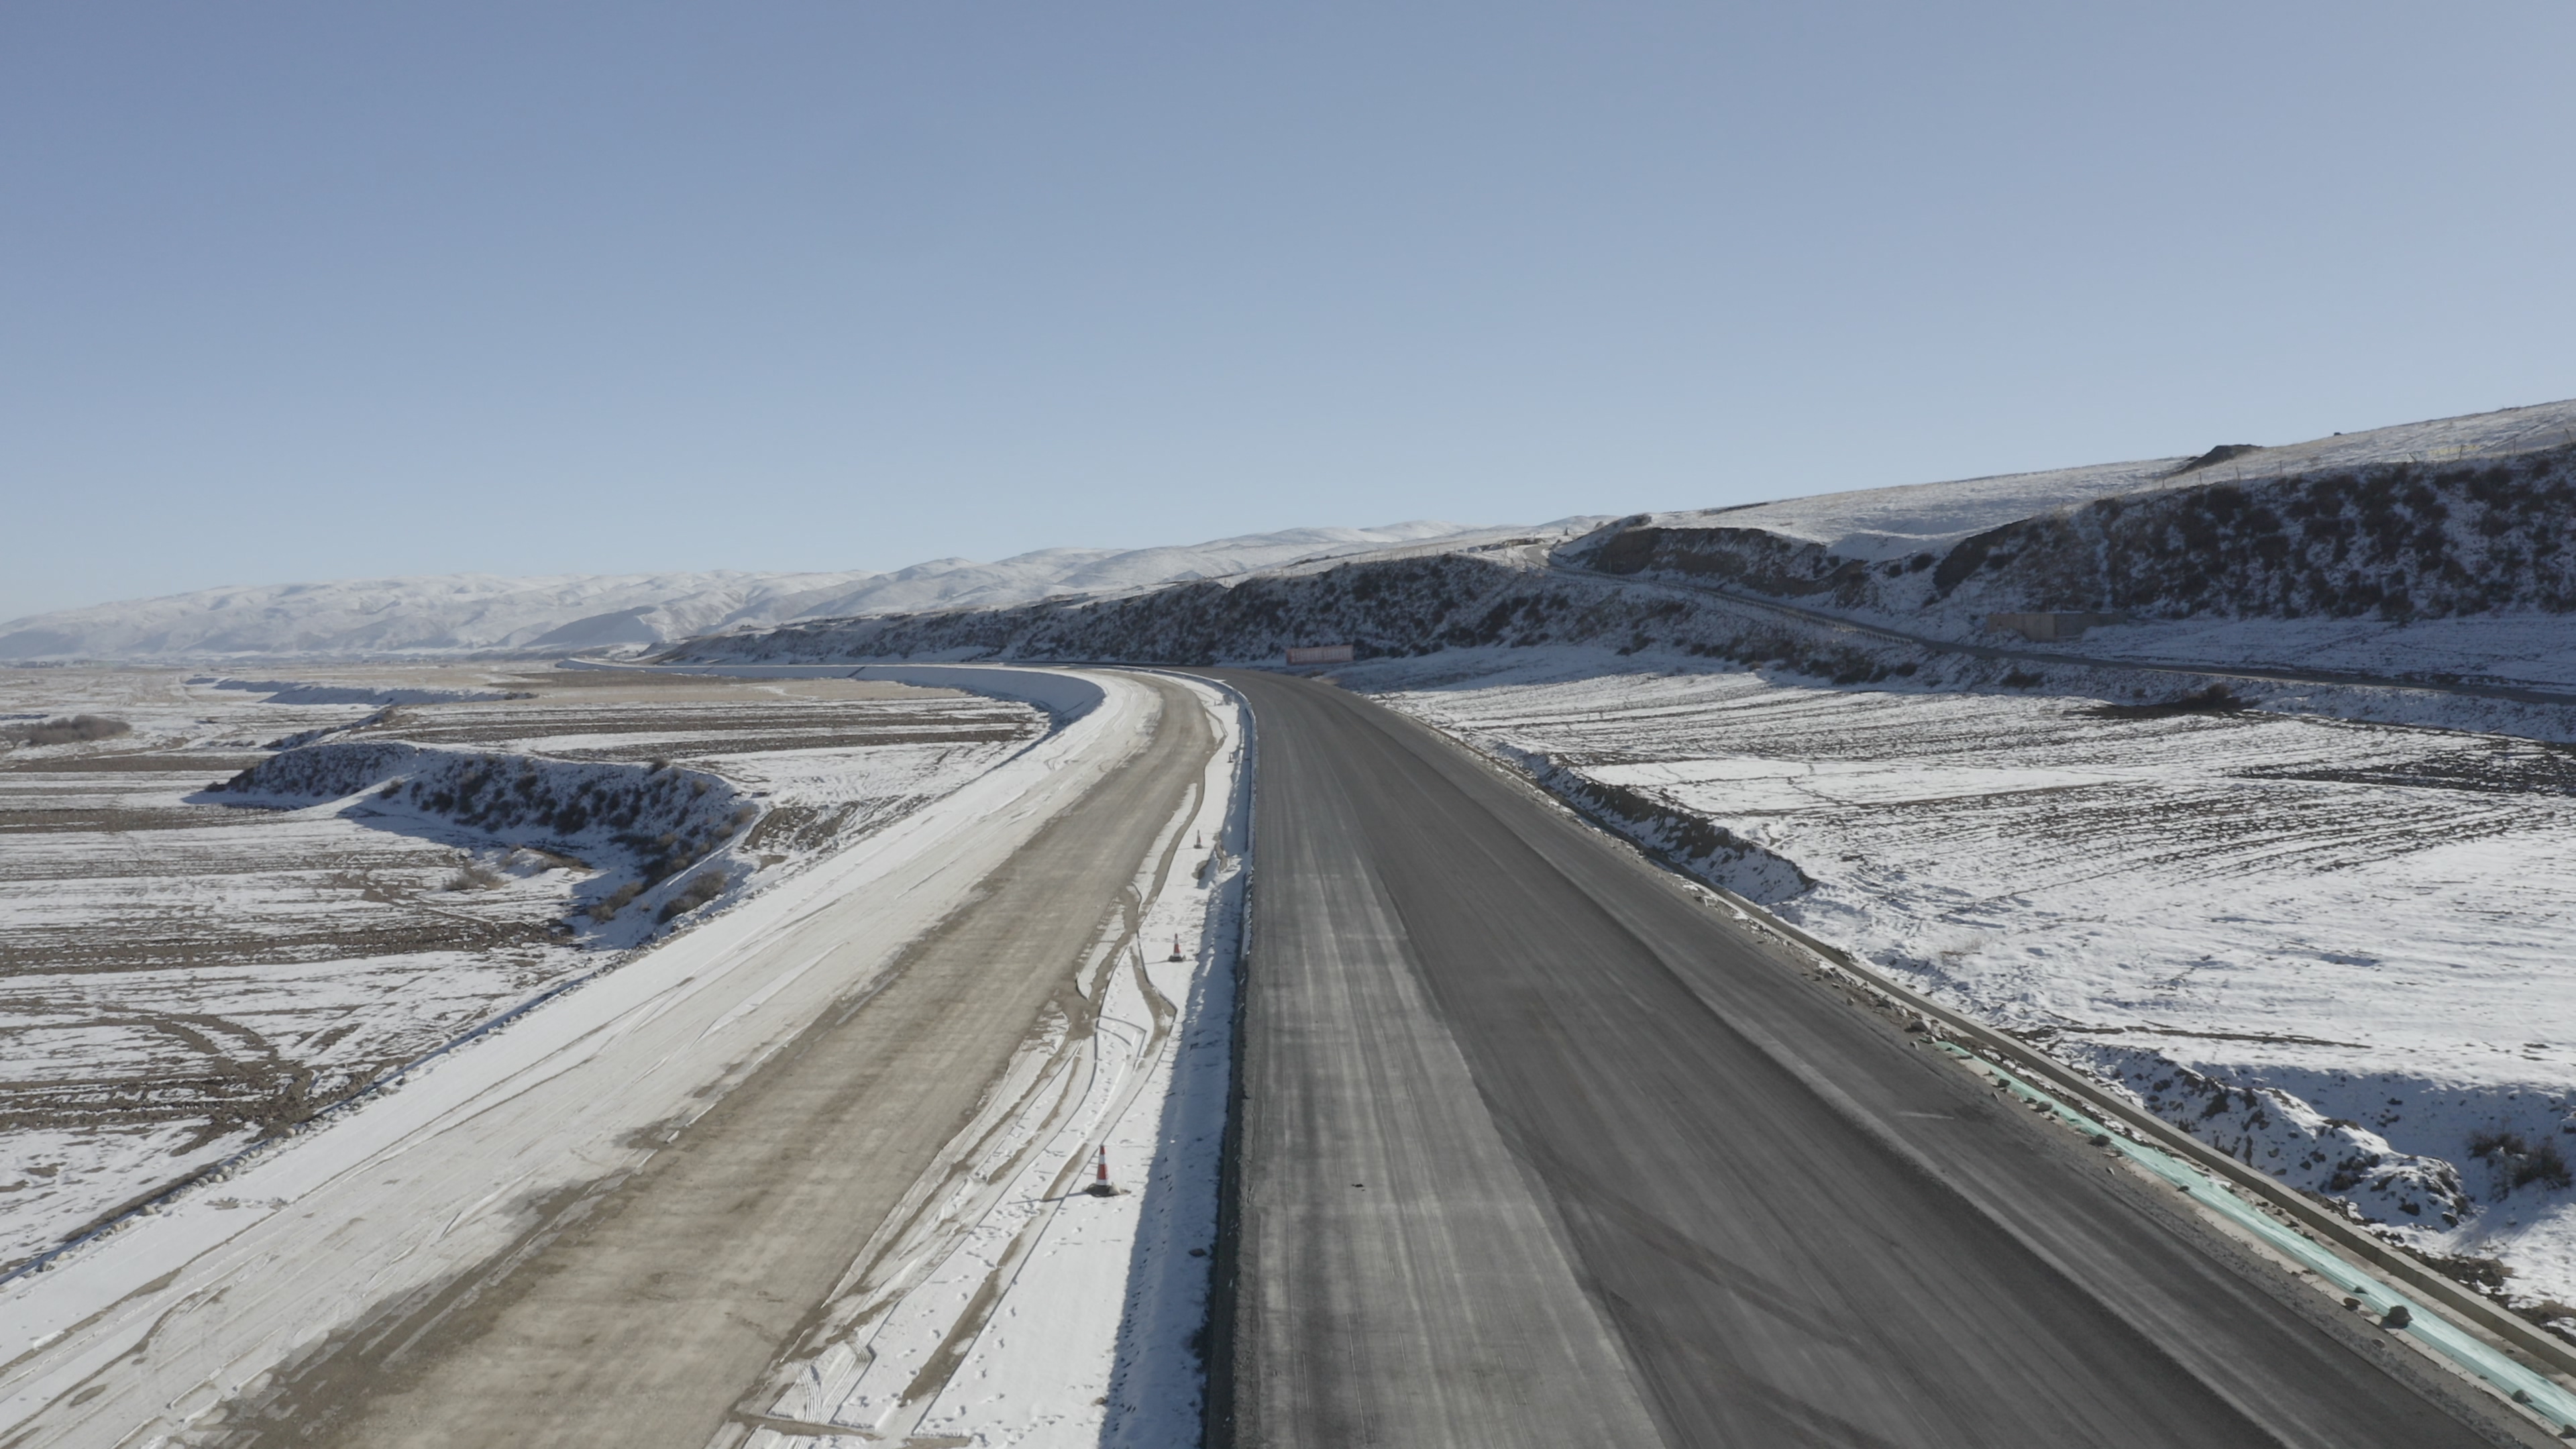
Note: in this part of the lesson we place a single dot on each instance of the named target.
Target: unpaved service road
(637, 1315)
(1539, 1149)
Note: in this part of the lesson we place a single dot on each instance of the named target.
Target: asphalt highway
(1539, 1148)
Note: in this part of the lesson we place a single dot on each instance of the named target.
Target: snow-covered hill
(2455, 528)
(468, 613)
(2434, 551)
(1878, 524)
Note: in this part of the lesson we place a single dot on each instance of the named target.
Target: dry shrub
(69, 730)
(709, 885)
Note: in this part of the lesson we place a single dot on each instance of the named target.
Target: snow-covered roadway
(600, 1224)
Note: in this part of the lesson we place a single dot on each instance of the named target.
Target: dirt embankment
(1696, 844)
(654, 821)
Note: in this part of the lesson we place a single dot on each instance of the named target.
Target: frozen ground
(180, 976)
(2334, 948)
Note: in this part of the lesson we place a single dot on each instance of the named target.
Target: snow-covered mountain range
(477, 613)
(2455, 518)
(2434, 550)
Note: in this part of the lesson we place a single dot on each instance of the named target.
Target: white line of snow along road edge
(234, 1278)
(1004, 1303)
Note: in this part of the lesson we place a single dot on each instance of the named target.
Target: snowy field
(180, 976)
(2335, 949)
(1000, 1305)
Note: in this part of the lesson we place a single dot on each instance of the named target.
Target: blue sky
(327, 291)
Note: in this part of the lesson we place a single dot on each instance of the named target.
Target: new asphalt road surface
(1539, 1147)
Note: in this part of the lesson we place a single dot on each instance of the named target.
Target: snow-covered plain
(2336, 949)
(480, 613)
(180, 976)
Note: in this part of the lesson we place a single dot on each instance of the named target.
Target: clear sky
(328, 290)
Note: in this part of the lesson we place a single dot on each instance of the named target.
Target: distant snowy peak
(1876, 524)
(473, 613)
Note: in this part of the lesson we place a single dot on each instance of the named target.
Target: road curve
(1539, 1148)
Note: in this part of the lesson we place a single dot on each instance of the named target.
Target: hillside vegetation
(1398, 608)
(2397, 540)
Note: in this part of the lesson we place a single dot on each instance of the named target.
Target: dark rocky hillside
(1752, 559)
(1393, 608)
(2397, 540)
(2403, 540)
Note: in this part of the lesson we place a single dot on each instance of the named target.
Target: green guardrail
(2540, 1395)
